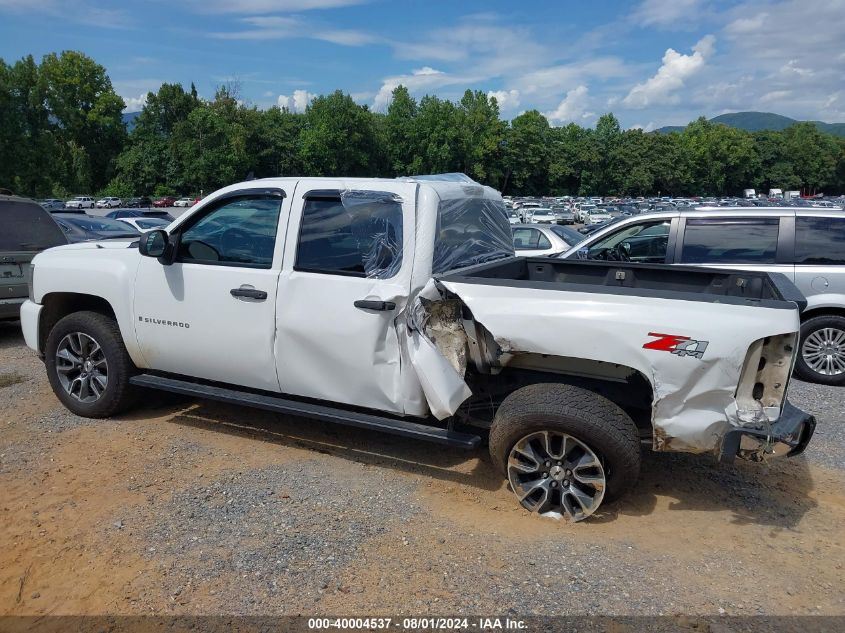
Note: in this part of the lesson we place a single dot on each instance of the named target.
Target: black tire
(586, 416)
(118, 394)
(813, 325)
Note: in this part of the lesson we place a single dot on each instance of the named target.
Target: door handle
(380, 306)
(251, 293)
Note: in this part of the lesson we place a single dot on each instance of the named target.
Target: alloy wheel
(81, 367)
(556, 475)
(824, 351)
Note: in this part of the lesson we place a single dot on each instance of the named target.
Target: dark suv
(27, 229)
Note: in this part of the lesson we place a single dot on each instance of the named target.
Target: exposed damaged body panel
(713, 373)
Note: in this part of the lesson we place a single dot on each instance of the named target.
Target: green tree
(338, 138)
(87, 116)
(527, 154)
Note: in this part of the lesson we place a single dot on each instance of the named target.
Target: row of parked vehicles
(113, 202)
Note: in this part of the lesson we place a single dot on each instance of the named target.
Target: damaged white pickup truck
(398, 305)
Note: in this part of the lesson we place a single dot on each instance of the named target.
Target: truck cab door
(211, 313)
(345, 280)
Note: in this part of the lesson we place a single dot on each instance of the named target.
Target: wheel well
(626, 387)
(58, 305)
(814, 312)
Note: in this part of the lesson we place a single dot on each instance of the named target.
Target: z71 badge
(680, 345)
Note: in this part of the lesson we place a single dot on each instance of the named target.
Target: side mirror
(153, 243)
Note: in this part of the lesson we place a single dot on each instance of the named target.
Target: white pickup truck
(398, 305)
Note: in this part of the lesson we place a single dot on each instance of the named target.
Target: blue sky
(651, 62)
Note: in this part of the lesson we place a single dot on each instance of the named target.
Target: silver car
(805, 244)
(543, 240)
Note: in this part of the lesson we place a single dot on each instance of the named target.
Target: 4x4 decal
(680, 345)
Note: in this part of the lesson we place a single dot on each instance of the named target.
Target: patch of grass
(7, 380)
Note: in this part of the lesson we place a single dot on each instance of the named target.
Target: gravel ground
(186, 507)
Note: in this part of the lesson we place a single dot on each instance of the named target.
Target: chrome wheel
(556, 475)
(824, 351)
(81, 367)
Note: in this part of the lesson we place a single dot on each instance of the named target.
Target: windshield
(570, 236)
(152, 223)
(100, 225)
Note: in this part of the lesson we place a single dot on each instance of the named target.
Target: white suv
(80, 202)
(109, 203)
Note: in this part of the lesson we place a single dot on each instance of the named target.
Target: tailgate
(14, 274)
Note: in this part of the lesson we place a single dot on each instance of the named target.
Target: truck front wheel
(564, 450)
(88, 366)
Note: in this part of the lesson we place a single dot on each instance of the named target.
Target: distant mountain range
(757, 121)
(129, 120)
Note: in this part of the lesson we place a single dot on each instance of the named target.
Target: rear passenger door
(346, 276)
(759, 243)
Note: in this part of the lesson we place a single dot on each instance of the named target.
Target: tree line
(62, 134)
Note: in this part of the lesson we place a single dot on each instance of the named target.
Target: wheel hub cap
(81, 367)
(556, 475)
(824, 351)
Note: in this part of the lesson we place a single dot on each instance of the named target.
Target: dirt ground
(187, 507)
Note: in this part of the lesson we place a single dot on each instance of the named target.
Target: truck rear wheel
(564, 450)
(88, 365)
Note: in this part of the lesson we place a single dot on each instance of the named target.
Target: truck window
(530, 240)
(470, 231)
(645, 242)
(819, 240)
(362, 239)
(26, 226)
(241, 231)
(730, 241)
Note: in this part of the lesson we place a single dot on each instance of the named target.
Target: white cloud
(134, 104)
(573, 107)
(78, 12)
(508, 100)
(277, 27)
(671, 75)
(666, 12)
(296, 102)
(425, 78)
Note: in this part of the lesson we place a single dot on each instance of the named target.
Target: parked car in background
(144, 224)
(52, 203)
(539, 240)
(109, 202)
(80, 202)
(184, 202)
(119, 214)
(564, 216)
(595, 216)
(166, 201)
(541, 215)
(138, 203)
(805, 244)
(26, 229)
(84, 228)
(513, 217)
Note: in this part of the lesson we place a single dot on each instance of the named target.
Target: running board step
(309, 410)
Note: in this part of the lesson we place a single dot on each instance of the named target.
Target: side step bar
(309, 410)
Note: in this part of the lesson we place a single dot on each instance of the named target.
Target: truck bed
(689, 283)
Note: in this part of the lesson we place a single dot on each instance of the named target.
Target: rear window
(530, 240)
(740, 241)
(470, 231)
(819, 240)
(26, 226)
